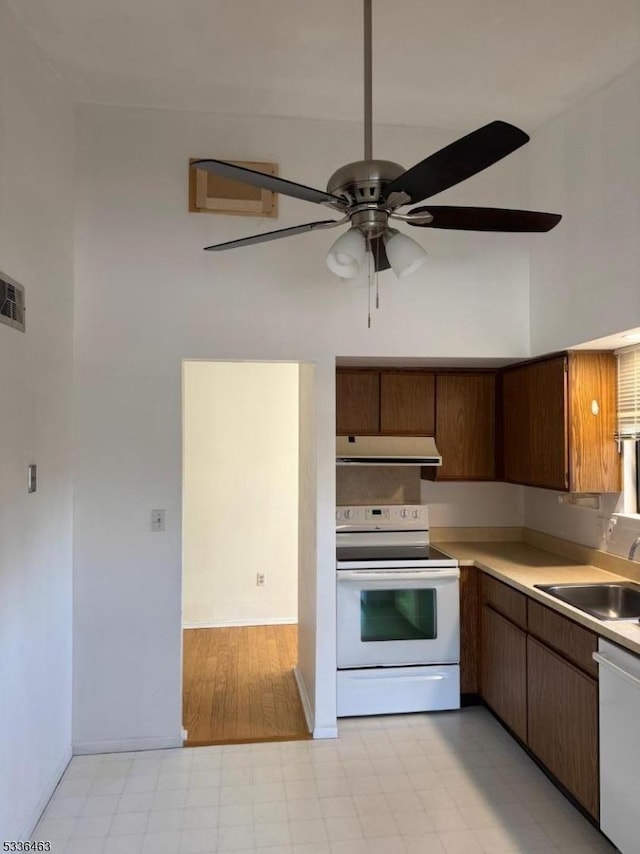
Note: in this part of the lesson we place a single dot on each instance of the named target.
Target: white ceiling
(452, 64)
(630, 338)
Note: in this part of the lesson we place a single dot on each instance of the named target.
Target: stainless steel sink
(619, 600)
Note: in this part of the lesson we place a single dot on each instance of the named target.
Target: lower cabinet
(543, 687)
(563, 722)
(503, 670)
(469, 629)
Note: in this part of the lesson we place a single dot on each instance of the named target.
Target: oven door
(395, 617)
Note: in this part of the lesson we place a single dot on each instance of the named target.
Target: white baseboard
(258, 621)
(325, 732)
(304, 697)
(36, 813)
(82, 748)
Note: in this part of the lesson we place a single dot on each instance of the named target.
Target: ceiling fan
(369, 193)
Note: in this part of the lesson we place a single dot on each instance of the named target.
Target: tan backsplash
(377, 485)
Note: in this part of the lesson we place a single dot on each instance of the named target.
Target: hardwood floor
(239, 685)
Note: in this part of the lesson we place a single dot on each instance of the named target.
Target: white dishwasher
(619, 745)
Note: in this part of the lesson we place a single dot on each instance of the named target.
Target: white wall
(148, 297)
(240, 493)
(584, 274)
(586, 166)
(36, 245)
(312, 657)
(544, 512)
(475, 505)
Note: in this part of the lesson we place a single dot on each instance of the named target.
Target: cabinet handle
(436, 677)
(398, 575)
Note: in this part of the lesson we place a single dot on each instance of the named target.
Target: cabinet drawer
(505, 599)
(566, 637)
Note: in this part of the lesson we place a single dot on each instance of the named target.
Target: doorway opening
(241, 466)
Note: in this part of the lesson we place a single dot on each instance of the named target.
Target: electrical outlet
(261, 579)
(157, 520)
(611, 529)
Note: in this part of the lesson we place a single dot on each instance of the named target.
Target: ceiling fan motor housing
(362, 185)
(363, 181)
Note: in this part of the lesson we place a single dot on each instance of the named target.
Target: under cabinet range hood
(387, 451)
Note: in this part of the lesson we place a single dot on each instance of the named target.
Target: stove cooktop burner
(391, 553)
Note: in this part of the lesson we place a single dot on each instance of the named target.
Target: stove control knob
(415, 514)
(404, 513)
(348, 514)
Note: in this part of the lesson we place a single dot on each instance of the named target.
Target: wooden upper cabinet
(594, 461)
(407, 403)
(357, 403)
(535, 424)
(548, 423)
(515, 409)
(465, 426)
(559, 423)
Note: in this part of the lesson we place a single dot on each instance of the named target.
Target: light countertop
(522, 566)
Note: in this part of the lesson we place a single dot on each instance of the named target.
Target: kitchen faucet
(634, 546)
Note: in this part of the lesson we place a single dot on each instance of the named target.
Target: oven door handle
(397, 575)
(431, 677)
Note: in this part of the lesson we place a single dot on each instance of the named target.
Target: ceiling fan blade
(485, 219)
(380, 260)
(456, 162)
(270, 182)
(266, 236)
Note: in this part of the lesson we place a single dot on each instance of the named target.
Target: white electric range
(398, 613)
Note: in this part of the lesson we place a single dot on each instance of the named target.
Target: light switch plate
(157, 520)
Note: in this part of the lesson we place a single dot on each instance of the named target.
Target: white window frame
(630, 474)
(628, 431)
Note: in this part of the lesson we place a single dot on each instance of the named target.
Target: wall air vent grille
(12, 308)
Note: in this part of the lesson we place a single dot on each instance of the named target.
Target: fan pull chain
(369, 287)
(377, 272)
(378, 245)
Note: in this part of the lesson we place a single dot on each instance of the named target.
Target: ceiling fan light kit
(404, 254)
(368, 193)
(347, 255)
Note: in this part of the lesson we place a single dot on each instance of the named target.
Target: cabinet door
(407, 404)
(563, 723)
(593, 451)
(503, 669)
(469, 628)
(535, 424)
(548, 428)
(357, 403)
(516, 425)
(465, 426)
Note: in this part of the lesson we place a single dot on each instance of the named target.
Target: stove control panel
(391, 517)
